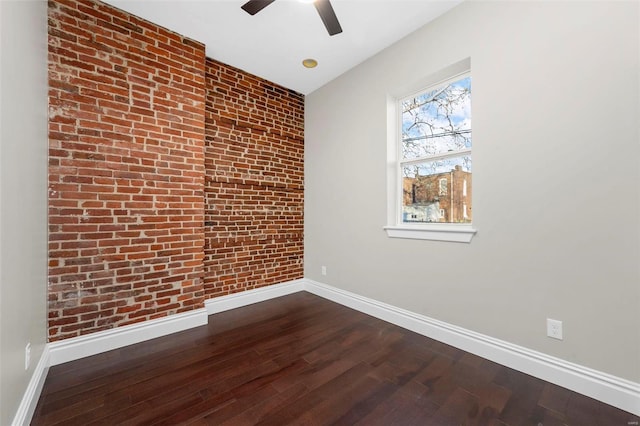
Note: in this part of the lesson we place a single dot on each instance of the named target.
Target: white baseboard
(609, 389)
(102, 341)
(238, 300)
(95, 343)
(30, 398)
(604, 387)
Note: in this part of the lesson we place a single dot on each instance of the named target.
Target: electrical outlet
(27, 356)
(554, 329)
(324, 270)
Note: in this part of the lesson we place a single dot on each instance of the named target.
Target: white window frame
(396, 228)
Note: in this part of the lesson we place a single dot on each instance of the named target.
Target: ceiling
(273, 43)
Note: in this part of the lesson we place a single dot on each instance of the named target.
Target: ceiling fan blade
(254, 6)
(329, 18)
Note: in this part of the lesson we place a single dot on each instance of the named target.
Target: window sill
(444, 232)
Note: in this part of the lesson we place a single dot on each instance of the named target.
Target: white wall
(556, 180)
(23, 195)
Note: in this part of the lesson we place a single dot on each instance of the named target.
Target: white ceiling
(273, 43)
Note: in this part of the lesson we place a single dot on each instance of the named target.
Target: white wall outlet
(324, 270)
(27, 356)
(554, 329)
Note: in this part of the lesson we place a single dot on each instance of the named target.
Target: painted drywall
(23, 195)
(556, 180)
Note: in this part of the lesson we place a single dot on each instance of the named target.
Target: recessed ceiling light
(310, 63)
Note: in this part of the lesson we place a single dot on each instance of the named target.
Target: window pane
(437, 121)
(438, 191)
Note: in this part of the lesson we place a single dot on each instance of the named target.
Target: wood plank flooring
(300, 359)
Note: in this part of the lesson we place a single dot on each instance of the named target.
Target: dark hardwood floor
(300, 359)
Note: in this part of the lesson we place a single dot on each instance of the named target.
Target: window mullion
(416, 161)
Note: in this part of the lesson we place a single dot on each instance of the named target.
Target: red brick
(133, 167)
(91, 143)
(256, 168)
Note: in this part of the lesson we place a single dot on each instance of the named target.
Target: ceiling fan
(324, 8)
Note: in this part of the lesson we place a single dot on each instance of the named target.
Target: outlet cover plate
(554, 329)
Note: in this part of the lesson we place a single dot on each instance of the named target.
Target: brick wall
(126, 171)
(130, 173)
(254, 157)
(449, 193)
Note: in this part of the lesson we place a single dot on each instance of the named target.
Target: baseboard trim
(79, 347)
(249, 297)
(95, 343)
(604, 387)
(615, 391)
(31, 395)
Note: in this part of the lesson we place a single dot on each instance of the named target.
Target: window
(431, 159)
(443, 187)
